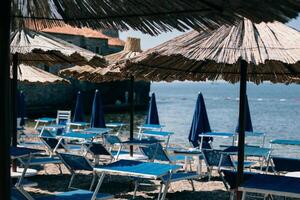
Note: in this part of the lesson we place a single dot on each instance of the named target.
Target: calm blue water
(275, 110)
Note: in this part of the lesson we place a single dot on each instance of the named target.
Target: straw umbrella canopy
(34, 48)
(131, 50)
(148, 16)
(31, 74)
(270, 49)
(243, 52)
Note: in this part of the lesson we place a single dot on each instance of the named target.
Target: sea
(274, 108)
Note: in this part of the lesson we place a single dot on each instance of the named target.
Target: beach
(222, 110)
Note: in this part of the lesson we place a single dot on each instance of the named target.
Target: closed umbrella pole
(131, 100)
(14, 98)
(14, 102)
(242, 116)
(5, 103)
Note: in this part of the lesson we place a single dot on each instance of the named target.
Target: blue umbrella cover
(97, 117)
(200, 123)
(152, 117)
(21, 107)
(79, 111)
(248, 121)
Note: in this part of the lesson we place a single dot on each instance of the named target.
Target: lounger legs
(71, 180)
(244, 196)
(93, 181)
(98, 186)
(165, 190)
(136, 185)
(192, 184)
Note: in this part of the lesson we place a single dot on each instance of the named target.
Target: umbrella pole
(14, 106)
(242, 116)
(131, 100)
(5, 103)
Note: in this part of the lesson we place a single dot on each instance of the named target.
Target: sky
(148, 41)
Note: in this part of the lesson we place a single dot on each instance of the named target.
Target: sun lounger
(44, 120)
(158, 153)
(116, 126)
(218, 159)
(21, 194)
(99, 131)
(252, 151)
(157, 134)
(285, 142)
(138, 169)
(75, 164)
(271, 185)
(284, 165)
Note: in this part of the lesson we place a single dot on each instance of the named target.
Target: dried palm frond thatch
(131, 49)
(36, 48)
(33, 74)
(272, 51)
(149, 16)
(77, 71)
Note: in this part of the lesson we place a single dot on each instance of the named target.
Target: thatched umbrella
(148, 16)
(244, 52)
(271, 50)
(33, 74)
(35, 48)
(131, 50)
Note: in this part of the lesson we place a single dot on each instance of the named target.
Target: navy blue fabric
(76, 162)
(154, 152)
(16, 194)
(98, 149)
(230, 177)
(248, 125)
(213, 158)
(21, 107)
(152, 117)
(75, 195)
(282, 184)
(139, 168)
(282, 164)
(79, 112)
(97, 117)
(200, 123)
(21, 151)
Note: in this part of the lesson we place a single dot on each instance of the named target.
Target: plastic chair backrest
(75, 162)
(63, 117)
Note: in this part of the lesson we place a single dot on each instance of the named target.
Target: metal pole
(242, 117)
(14, 103)
(131, 100)
(5, 93)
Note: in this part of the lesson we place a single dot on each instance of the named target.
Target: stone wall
(44, 98)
